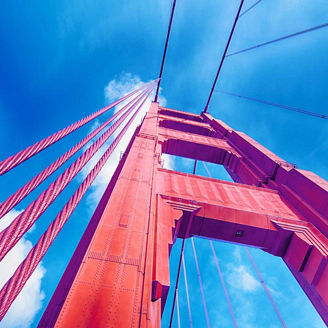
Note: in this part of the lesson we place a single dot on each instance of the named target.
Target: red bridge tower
(119, 273)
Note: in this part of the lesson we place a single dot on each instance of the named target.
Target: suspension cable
(21, 193)
(23, 222)
(195, 167)
(187, 291)
(185, 276)
(223, 285)
(179, 269)
(15, 284)
(265, 288)
(207, 170)
(200, 283)
(219, 270)
(276, 105)
(257, 271)
(250, 8)
(178, 311)
(279, 39)
(165, 49)
(14, 160)
(223, 56)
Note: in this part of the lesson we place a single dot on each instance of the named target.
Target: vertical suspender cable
(256, 270)
(165, 49)
(223, 285)
(266, 288)
(14, 160)
(200, 283)
(195, 167)
(219, 270)
(250, 8)
(23, 222)
(223, 56)
(178, 311)
(15, 284)
(21, 193)
(179, 269)
(207, 170)
(187, 291)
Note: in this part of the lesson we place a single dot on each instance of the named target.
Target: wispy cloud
(241, 278)
(29, 301)
(115, 89)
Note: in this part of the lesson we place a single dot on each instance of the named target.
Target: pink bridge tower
(119, 273)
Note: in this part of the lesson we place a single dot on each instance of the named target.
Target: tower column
(119, 274)
(112, 287)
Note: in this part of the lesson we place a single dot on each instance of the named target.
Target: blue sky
(57, 57)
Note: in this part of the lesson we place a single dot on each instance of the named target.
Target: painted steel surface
(119, 275)
(13, 287)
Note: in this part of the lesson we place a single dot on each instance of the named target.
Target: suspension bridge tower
(119, 274)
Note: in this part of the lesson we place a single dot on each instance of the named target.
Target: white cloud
(168, 161)
(125, 84)
(241, 278)
(114, 90)
(29, 301)
(118, 88)
(236, 253)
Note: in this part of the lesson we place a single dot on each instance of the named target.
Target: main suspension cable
(23, 222)
(223, 56)
(279, 39)
(21, 193)
(302, 111)
(14, 160)
(16, 283)
(165, 49)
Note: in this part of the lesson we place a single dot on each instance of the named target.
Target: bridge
(119, 274)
